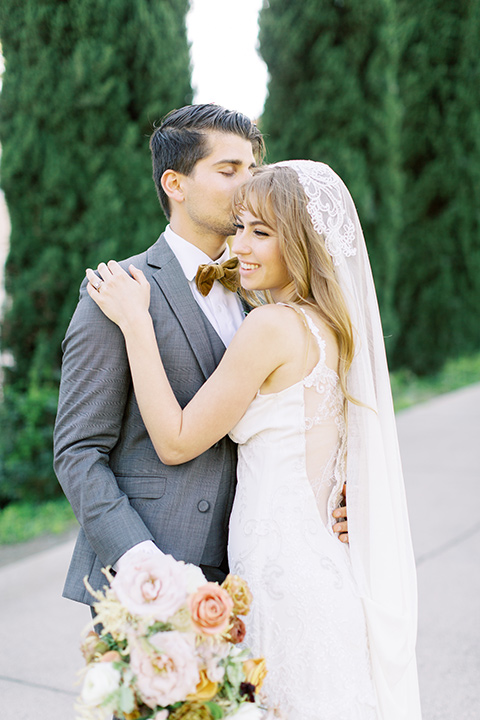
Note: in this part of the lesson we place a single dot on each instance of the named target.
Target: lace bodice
(306, 618)
(316, 415)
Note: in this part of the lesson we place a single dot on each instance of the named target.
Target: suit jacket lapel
(170, 278)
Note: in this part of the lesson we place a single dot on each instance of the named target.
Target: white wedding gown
(306, 618)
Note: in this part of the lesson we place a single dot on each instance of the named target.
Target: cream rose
(195, 578)
(211, 607)
(211, 652)
(215, 672)
(101, 680)
(247, 711)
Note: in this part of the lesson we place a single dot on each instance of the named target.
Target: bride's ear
(172, 185)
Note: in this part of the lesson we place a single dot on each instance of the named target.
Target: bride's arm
(254, 353)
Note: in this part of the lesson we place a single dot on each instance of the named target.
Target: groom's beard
(215, 224)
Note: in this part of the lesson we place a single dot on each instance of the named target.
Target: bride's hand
(122, 297)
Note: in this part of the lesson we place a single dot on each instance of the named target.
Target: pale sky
(227, 69)
(226, 66)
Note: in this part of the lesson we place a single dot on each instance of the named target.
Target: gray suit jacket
(120, 491)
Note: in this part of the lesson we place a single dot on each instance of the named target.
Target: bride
(303, 389)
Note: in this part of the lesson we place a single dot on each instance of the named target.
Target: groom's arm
(93, 394)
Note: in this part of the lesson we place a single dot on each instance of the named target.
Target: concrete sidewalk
(440, 442)
(39, 638)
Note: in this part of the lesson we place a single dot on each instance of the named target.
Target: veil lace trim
(326, 207)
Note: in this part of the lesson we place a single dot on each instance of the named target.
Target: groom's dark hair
(180, 140)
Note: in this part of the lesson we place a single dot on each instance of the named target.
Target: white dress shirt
(222, 308)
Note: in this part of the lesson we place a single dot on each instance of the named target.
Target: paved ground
(440, 440)
(39, 638)
(440, 443)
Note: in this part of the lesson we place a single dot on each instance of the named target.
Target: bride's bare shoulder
(273, 315)
(270, 312)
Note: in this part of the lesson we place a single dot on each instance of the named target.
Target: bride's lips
(247, 268)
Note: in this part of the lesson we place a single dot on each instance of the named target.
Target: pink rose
(153, 586)
(166, 668)
(210, 607)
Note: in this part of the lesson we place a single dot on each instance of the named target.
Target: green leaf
(158, 627)
(215, 710)
(126, 699)
(234, 673)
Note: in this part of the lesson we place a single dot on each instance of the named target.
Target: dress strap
(312, 327)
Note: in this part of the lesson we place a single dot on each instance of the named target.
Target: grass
(24, 521)
(408, 389)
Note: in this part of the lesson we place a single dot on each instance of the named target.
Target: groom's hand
(340, 515)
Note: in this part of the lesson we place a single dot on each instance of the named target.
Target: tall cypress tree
(84, 81)
(333, 96)
(438, 292)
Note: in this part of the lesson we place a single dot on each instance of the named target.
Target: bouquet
(169, 646)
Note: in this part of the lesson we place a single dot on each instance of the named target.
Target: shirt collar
(190, 256)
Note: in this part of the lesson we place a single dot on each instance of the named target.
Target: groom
(124, 498)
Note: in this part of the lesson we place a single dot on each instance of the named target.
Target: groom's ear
(172, 185)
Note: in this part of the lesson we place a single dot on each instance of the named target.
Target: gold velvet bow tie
(226, 272)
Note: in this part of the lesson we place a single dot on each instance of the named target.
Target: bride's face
(261, 264)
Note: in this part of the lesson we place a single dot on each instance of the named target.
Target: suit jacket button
(203, 506)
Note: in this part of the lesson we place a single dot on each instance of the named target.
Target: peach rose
(240, 593)
(210, 607)
(111, 656)
(255, 672)
(206, 689)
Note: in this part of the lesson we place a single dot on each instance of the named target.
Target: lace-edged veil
(379, 532)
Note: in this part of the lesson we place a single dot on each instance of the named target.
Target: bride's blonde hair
(275, 196)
